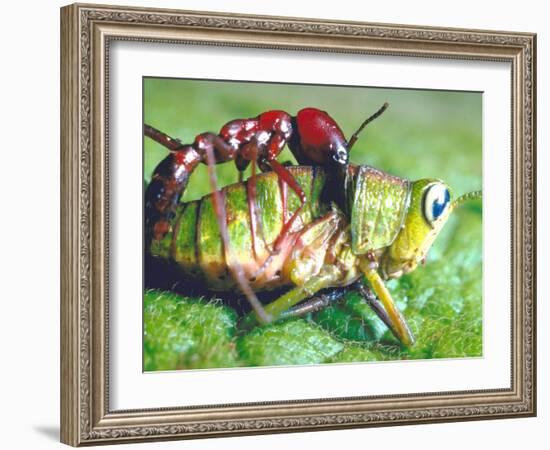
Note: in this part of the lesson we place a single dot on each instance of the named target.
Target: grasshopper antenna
(377, 114)
(475, 195)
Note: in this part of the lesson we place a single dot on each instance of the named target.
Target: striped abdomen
(194, 242)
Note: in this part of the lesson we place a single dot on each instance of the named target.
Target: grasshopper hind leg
(316, 303)
(336, 295)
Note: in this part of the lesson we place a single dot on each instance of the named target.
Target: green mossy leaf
(287, 343)
(366, 353)
(180, 333)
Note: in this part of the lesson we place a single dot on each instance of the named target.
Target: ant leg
(276, 144)
(221, 216)
(167, 185)
(241, 164)
(251, 150)
(286, 177)
(162, 138)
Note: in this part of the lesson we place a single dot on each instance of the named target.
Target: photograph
(295, 224)
(274, 224)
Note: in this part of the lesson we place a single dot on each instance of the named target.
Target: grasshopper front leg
(394, 319)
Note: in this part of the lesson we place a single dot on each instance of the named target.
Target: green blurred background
(422, 134)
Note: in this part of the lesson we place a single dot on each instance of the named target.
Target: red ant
(313, 137)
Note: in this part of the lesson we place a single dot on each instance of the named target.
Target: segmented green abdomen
(194, 241)
(380, 202)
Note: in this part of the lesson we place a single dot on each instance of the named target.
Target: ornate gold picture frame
(88, 33)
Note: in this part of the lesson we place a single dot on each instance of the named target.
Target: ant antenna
(365, 123)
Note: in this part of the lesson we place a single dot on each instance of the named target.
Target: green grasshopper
(308, 229)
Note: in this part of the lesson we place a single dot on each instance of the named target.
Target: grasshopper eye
(436, 201)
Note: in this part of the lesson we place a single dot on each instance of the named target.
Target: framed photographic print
(275, 224)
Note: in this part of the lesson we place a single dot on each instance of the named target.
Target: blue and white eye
(436, 201)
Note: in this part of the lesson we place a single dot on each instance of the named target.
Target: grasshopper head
(429, 208)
